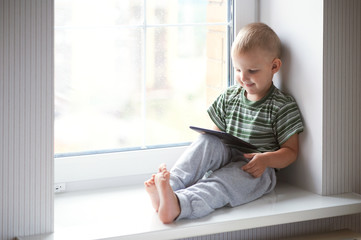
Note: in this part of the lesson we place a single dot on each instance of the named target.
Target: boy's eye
(252, 71)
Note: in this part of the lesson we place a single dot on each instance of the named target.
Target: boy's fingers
(249, 155)
(247, 167)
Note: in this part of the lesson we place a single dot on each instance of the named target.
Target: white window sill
(126, 213)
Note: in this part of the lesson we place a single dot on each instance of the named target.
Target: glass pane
(183, 77)
(186, 11)
(110, 94)
(98, 74)
(98, 12)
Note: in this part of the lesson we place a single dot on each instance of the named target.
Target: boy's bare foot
(169, 208)
(152, 189)
(162, 167)
(153, 192)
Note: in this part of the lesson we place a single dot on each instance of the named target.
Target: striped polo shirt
(267, 123)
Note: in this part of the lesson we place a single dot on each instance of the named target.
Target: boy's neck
(257, 97)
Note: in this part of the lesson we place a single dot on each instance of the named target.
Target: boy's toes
(162, 167)
(166, 175)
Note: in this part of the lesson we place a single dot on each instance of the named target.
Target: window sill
(126, 213)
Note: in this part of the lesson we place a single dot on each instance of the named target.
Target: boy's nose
(243, 76)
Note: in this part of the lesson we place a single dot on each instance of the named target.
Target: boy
(210, 174)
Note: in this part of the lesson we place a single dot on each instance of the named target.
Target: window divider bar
(144, 80)
(145, 25)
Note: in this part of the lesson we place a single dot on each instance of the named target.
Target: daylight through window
(134, 74)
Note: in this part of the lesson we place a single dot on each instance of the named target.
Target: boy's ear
(276, 65)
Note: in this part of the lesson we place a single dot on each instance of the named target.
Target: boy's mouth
(248, 84)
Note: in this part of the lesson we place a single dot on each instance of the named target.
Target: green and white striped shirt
(267, 123)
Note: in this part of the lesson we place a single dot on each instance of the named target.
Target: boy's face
(254, 72)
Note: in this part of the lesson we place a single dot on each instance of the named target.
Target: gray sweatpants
(209, 176)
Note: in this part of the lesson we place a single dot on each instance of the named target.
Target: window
(134, 74)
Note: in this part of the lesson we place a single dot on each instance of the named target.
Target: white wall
(299, 24)
(247, 12)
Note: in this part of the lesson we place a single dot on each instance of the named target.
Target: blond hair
(257, 35)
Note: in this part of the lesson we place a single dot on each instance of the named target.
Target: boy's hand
(281, 158)
(256, 166)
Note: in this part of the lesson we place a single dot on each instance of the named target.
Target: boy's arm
(215, 127)
(281, 158)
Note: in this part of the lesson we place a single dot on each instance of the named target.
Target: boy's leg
(205, 154)
(228, 186)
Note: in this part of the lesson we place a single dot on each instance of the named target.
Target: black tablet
(225, 137)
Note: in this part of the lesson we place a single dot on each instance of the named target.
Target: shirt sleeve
(217, 111)
(288, 122)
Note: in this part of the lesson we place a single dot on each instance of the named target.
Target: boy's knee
(210, 139)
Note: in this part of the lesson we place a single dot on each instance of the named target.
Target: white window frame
(130, 167)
